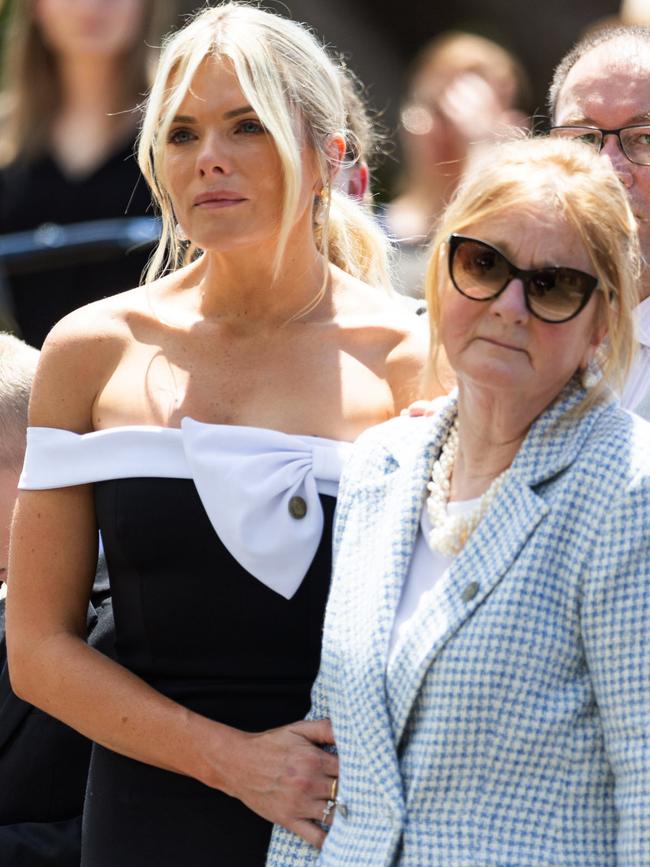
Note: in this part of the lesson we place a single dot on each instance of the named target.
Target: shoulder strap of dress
(57, 458)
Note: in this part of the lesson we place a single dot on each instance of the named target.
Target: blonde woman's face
(222, 169)
(498, 344)
(90, 27)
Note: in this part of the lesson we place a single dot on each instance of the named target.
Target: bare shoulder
(393, 335)
(78, 356)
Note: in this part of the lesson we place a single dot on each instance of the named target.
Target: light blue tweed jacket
(513, 730)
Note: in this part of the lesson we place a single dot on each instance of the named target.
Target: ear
(335, 153)
(335, 149)
(598, 335)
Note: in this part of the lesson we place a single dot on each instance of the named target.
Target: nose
(622, 166)
(213, 158)
(510, 305)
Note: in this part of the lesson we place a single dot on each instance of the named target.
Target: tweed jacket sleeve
(615, 616)
(287, 849)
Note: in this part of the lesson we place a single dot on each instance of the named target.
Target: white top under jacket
(426, 569)
(247, 479)
(636, 394)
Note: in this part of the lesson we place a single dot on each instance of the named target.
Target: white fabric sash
(247, 479)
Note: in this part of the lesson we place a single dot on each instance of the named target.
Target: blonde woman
(486, 653)
(73, 74)
(213, 409)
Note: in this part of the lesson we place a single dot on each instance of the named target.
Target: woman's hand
(421, 408)
(284, 775)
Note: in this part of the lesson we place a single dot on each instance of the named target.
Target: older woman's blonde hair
(569, 180)
(299, 95)
(31, 88)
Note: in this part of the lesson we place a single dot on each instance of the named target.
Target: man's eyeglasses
(634, 140)
(481, 272)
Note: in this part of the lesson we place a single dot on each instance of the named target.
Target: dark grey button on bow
(297, 507)
(470, 591)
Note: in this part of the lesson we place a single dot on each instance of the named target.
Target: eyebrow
(587, 121)
(235, 112)
(245, 109)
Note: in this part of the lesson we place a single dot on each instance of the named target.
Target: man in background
(43, 763)
(601, 93)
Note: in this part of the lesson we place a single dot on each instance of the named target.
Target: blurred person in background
(354, 177)
(74, 72)
(202, 420)
(600, 94)
(462, 89)
(43, 763)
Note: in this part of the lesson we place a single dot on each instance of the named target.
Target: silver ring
(328, 809)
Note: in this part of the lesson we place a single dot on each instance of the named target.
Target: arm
(616, 633)
(282, 775)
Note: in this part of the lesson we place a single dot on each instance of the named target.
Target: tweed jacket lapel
(515, 513)
(363, 608)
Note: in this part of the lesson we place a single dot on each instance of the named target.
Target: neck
(239, 288)
(91, 85)
(432, 190)
(491, 428)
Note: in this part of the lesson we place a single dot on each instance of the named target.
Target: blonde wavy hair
(570, 180)
(298, 93)
(31, 89)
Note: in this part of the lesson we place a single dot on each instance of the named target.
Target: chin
(493, 376)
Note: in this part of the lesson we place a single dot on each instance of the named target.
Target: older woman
(486, 658)
(212, 408)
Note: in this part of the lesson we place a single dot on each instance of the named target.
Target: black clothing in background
(195, 625)
(44, 764)
(32, 194)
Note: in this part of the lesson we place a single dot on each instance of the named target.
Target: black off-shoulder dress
(217, 540)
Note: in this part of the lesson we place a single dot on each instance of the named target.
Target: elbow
(20, 676)
(30, 664)
(36, 665)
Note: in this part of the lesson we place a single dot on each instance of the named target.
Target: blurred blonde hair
(299, 94)
(569, 179)
(18, 363)
(31, 92)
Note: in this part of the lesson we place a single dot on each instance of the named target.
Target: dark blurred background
(379, 38)
(40, 272)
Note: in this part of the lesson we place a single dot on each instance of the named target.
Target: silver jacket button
(470, 591)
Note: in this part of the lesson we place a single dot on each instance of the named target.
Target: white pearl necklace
(450, 532)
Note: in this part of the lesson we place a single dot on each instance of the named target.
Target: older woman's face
(222, 169)
(499, 344)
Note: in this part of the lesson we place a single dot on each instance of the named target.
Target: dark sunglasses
(481, 272)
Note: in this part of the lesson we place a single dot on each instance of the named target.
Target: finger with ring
(328, 809)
